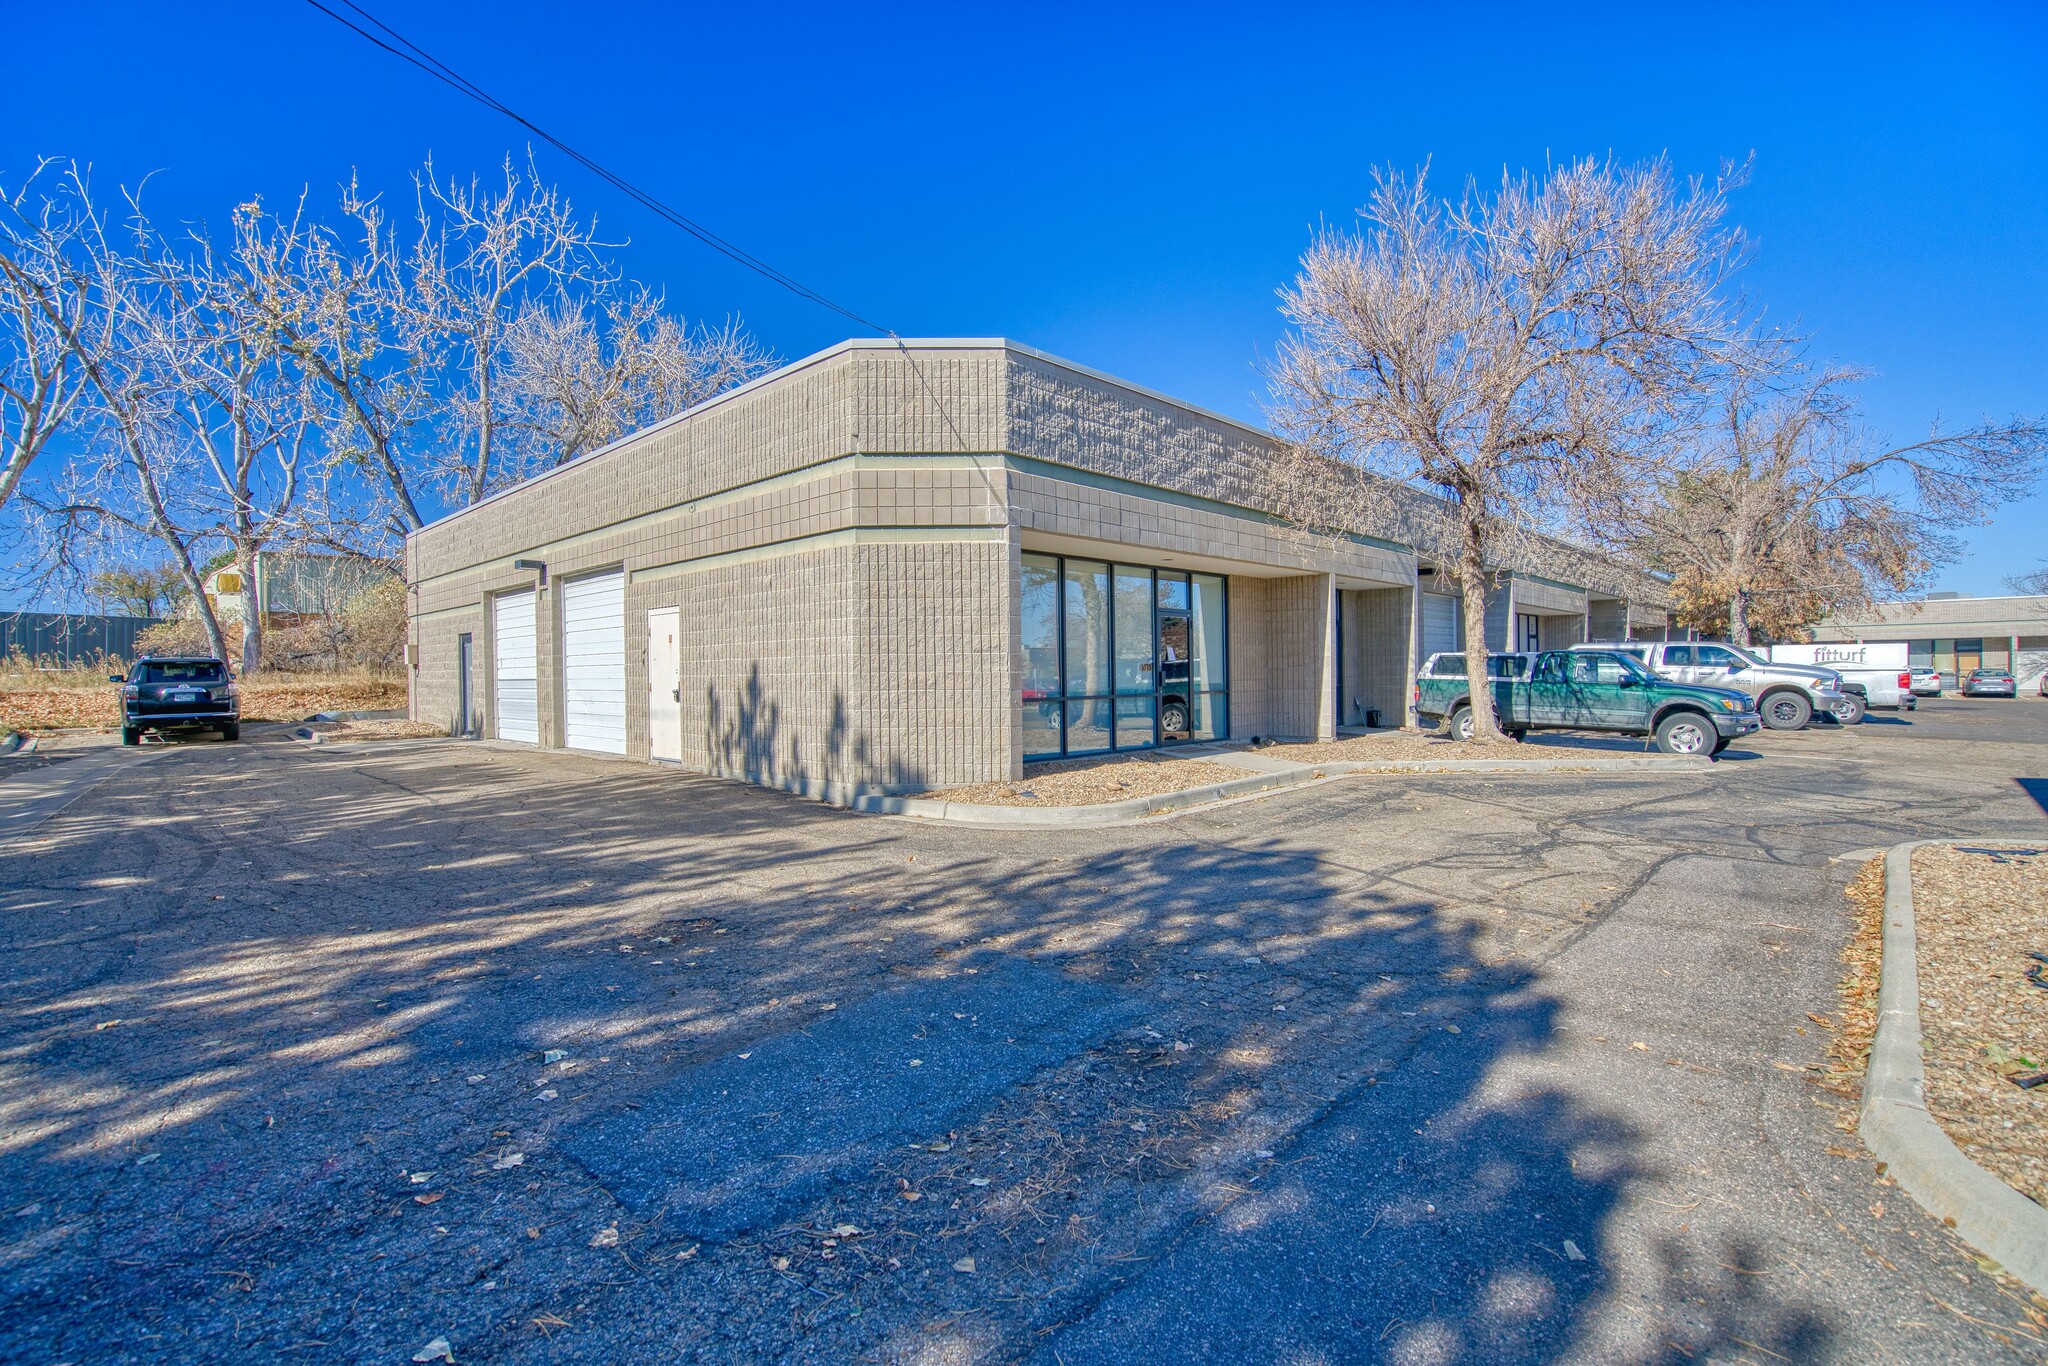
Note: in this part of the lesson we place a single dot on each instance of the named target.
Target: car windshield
(178, 671)
(1744, 655)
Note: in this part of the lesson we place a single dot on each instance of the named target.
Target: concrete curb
(1988, 1214)
(1165, 803)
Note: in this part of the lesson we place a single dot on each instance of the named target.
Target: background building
(1955, 634)
(292, 586)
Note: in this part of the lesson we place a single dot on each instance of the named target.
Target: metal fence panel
(70, 638)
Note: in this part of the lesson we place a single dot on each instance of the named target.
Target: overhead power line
(398, 45)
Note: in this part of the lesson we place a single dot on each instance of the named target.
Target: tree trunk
(1738, 618)
(1472, 582)
(252, 608)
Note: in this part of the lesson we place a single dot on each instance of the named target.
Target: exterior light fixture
(539, 567)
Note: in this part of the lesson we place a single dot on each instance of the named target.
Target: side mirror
(115, 678)
(1627, 681)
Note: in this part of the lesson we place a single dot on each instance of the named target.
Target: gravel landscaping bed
(1409, 745)
(376, 730)
(1982, 1021)
(1091, 782)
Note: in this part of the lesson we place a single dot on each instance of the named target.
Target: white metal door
(517, 696)
(664, 685)
(594, 663)
(1440, 625)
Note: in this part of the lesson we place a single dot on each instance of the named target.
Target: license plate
(186, 695)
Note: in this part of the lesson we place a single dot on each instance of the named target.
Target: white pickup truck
(1880, 670)
(1787, 695)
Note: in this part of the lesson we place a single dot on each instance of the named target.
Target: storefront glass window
(1133, 630)
(1087, 725)
(1041, 622)
(1111, 655)
(1212, 651)
(1087, 627)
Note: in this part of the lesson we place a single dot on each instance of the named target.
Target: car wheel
(231, 731)
(1787, 711)
(1721, 742)
(1460, 724)
(130, 735)
(1517, 734)
(1173, 718)
(1850, 710)
(1686, 732)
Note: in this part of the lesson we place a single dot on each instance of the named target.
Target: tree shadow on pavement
(276, 1083)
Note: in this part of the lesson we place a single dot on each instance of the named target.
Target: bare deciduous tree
(1509, 351)
(480, 256)
(296, 387)
(47, 318)
(132, 465)
(2035, 581)
(233, 399)
(438, 358)
(326, 303)
(1787, 508)
(579, 375)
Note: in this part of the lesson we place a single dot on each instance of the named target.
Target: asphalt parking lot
(1416, 1069)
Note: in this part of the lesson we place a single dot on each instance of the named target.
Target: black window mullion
(1060, 693)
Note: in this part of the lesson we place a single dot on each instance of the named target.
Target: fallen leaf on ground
(428, 1198)
(1572, 1253)
(509, 1161)
(845, 1231)
(607, 1237)
(965, 1264)
(554, 1055)
(437, 1349)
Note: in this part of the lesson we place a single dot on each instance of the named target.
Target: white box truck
(1878, 669)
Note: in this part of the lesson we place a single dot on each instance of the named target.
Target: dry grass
(1982, 1022)
(1091, 782)
(71, 699)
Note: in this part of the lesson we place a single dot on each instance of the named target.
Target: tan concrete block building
(895, 566)
(1953, 634)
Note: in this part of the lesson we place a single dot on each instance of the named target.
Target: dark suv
(181, 693)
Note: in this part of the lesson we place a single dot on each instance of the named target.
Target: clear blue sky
(1127, 186)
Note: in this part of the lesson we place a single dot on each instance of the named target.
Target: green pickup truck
(1586, 690)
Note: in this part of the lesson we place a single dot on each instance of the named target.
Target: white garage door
(1440, 624)
(594, 663)
(517, 704)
